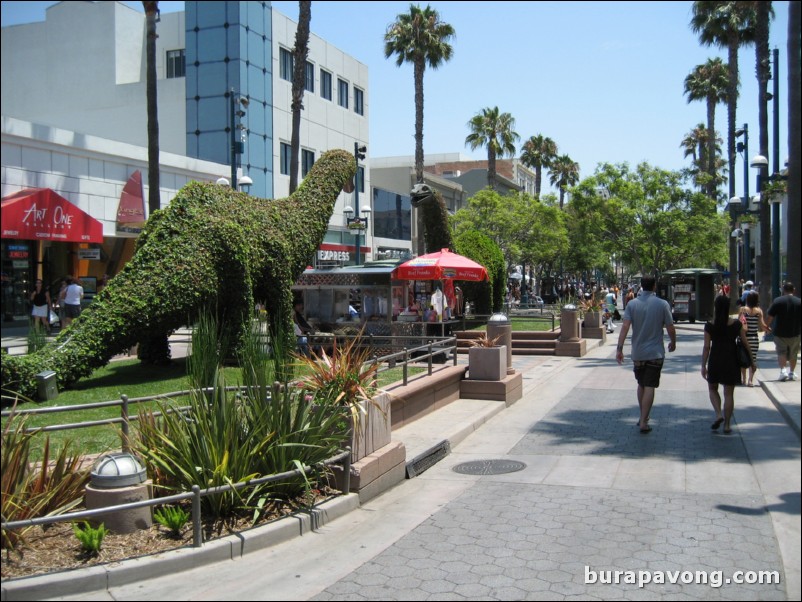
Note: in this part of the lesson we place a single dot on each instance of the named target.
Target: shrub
(488, 297)
(91, 538)
(30, 491)
(173, 518)
(229, 437)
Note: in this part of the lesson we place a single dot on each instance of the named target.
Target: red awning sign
(43, 214)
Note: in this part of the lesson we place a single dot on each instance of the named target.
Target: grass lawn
(134, 379)
(524, 324)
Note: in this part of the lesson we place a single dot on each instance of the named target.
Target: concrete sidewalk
(593, 497)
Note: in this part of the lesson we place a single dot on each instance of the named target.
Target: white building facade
(74, 115)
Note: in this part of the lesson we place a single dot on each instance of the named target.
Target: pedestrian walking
(71, 300)
(752, 316)
(648, 315)
(610, 309)
(720, 360)
(785, 321)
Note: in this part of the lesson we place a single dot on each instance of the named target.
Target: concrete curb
(770, 389)
(135, 570)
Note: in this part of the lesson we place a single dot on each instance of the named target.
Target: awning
(43, 214)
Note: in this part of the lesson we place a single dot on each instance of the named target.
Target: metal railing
(431, 349)
(426, 352)
(195, 495)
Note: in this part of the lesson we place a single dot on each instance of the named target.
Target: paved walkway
(694, 509)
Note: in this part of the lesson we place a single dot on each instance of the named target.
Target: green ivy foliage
(488, 296)
(211, 247)
(436, 233)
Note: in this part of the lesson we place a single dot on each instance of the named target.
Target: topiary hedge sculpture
(211, 247)
(436, 234)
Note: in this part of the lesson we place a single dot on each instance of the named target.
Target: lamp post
(738, 206)
(237, 106)
(775, 199)
(356, 223)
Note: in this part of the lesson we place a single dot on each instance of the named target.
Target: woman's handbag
(744, 357)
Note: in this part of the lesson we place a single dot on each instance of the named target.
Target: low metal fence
(195, 495)
(426, 352)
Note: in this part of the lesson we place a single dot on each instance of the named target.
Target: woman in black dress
(720, 362)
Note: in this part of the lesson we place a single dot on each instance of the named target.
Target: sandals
(646, 429)
(717, 423)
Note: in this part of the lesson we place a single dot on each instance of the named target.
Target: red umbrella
(442, 265)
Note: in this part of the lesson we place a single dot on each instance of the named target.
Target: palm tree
(564, 172)
(538, 152)
(695, 145)
(154, 198)
(709, 82)
(728, 25)
(419, 37)
(495, 131)
(300, 52)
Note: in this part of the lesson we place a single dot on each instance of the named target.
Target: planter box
(487, 363)
(374, 427)
(593, 319)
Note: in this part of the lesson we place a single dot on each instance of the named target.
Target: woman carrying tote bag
(720, 360)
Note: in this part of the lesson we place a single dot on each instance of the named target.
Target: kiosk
(691, 292)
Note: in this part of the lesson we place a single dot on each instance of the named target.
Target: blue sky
(604, 80)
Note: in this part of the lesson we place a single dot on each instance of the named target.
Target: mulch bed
(56, 548)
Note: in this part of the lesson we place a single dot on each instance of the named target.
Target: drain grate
(428, 459)
(489, 467)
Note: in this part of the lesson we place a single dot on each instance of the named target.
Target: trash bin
(499, 326)
(569, 324)
(46, 385)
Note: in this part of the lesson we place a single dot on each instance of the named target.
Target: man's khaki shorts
(787, 347)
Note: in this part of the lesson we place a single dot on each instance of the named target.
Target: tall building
(74, 118)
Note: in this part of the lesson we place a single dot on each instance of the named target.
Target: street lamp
(357, 224)
(738, 206)
(775, 199)
(245, 182)
(237, 104)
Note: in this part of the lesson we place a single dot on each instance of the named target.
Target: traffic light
(359, 151)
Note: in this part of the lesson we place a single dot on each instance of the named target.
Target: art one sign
(42, 214)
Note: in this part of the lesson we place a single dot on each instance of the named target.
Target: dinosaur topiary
(211, 247)
(436, 234)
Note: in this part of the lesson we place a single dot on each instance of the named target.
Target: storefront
(43, 236)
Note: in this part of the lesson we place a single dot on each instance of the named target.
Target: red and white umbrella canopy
(442, 265)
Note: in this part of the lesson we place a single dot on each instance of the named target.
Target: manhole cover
(483, 467)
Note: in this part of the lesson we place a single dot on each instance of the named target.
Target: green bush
(173, 518)
(91, 538)
(488, 297)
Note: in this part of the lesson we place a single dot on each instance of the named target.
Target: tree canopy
(647, 218)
